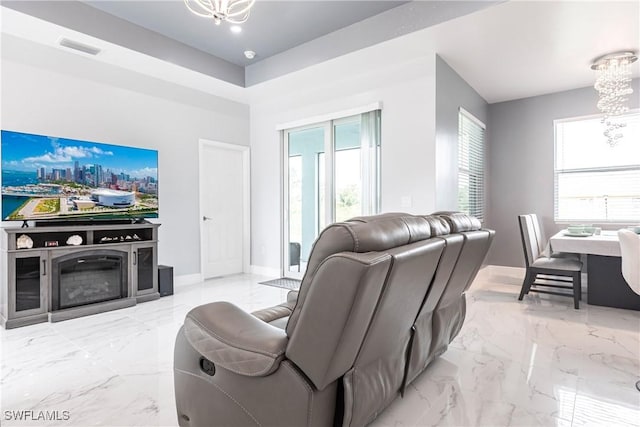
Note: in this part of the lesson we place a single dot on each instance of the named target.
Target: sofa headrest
(459, 222)
(366, 234)
(439, 227)
(378, 217)
(386, 231)
(376, 233)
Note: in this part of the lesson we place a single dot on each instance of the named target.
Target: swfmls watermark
(32, 415)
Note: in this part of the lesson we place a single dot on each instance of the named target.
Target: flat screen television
(46, 178)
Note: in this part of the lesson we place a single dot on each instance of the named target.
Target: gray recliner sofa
(382, 296)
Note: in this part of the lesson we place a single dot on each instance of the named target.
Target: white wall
(51, 92)
(406, 88)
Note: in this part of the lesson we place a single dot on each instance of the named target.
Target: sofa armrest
(234, 339)
(279, 311)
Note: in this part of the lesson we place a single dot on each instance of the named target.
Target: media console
(54, 273)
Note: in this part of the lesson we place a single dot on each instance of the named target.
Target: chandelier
(233, 11)
(613, 85)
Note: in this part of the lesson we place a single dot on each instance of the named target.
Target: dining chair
(294, 254)
(543, 243)
(552, 270)
(630, 253)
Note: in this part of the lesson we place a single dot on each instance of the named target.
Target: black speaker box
(165, 280)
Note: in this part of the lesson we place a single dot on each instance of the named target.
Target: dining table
(605, 284)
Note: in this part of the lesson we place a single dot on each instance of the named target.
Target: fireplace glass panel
(27, 283)
(89, 279)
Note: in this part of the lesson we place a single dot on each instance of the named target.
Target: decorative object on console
(74, 240)
(233, 11)
(613, 85)
(124, 238)
(24, 242)
(51, 243)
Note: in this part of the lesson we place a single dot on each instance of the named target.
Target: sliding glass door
(305, 150)
(331, 173)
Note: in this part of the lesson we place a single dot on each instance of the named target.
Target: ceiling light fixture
(249, 54)
(613, 85)
(236, 29)
(233, 11)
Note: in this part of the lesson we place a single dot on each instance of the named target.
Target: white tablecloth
(606, 244)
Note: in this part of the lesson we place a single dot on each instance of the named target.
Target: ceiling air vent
(71, 44)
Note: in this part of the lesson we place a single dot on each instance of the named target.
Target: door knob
(206, 218)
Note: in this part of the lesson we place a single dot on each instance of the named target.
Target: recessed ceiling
(512, 50)
(293, 34)
(272, 28)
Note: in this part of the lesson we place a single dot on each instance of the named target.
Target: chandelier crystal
(613, 85)
(233, 11)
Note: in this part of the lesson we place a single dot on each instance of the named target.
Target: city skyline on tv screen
(46, 177)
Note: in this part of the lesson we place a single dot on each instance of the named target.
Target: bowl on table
(580, 230)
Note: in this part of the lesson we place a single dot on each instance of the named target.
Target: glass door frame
(328, 213)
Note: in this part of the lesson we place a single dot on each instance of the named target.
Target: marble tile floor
(537, 362)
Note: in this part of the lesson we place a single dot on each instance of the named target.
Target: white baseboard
(187, 279)
(505, 274)
(503, 269)
(265, 271)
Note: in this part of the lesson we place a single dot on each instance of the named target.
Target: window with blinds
(595, 182)
(471, 134)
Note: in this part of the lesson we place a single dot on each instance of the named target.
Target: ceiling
(520, 49)
(505, 51)
(273, 26)
(287, 35)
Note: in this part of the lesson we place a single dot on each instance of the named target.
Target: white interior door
(224, 208)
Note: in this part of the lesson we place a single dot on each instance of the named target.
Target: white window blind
(471, 134)
(593, 181)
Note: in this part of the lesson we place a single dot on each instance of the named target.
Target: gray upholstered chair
(552, 270)
(381, 297)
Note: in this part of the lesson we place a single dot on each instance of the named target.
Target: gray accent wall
(452, 92)
(521, 157)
